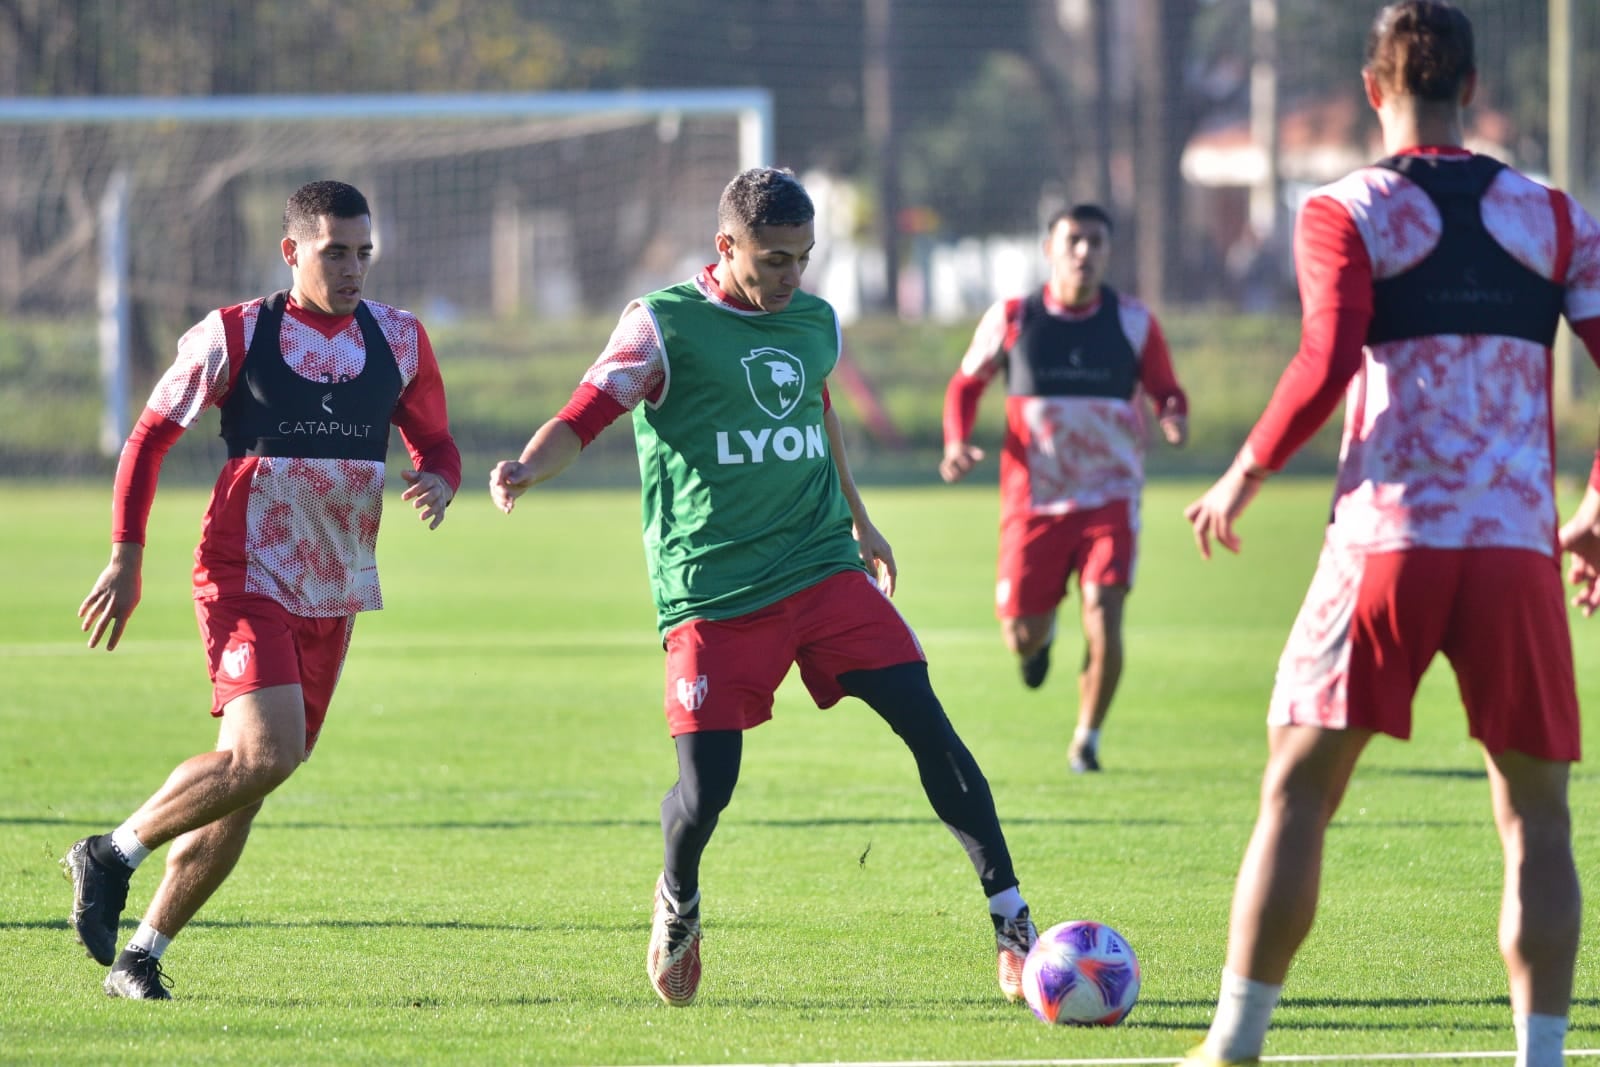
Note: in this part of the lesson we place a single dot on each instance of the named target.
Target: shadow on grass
(355, 924)
(1465, 773)
(266, 822)
(1360, 1007)
(1361, 1017)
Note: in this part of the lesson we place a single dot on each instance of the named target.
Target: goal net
(149, 212)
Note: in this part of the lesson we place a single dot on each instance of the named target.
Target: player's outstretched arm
(961, 415)
(1214, 513)
(550, 451)
(114, 596)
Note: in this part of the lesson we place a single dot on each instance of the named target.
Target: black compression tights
(708, 768)
(903, 697)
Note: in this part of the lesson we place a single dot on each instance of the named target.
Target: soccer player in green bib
(760, 551)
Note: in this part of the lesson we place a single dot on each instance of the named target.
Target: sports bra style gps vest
(1088, 357)
(1468, 284)
(272, 411)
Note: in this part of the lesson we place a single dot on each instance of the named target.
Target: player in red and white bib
(1432, 285)
(1084, 366)
(308, 383)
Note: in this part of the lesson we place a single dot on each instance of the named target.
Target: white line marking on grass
(1355, 1057)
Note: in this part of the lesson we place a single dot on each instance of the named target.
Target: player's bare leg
(1029, 637)
(261, 742)
(1102, 670)
(1540, 910)
(197, 864)
(205, 809)
(1275, 898)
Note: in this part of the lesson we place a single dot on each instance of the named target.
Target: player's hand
(959, 459)
(429, 494)
(1214, 513)
(114, 596)
(509, 480)
(877, 555)
(1175, 427)
(1586, 576)
(1580, 535)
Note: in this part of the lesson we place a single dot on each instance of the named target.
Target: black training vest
(1053, 356)
(1468, 284)
(272, 411)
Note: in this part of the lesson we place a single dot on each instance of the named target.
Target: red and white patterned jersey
(1066, 453)
(301, 531)
(1448, 439)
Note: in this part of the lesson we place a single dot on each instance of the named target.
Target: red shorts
(722, 673)
(252, 643)
(1372, 622)
(1039, 553)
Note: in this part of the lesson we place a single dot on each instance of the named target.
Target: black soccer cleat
(138, 976)
(99, 893)
(1036, 666)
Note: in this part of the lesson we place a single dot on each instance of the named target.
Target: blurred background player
(749, 507)
(308, 383)
(1432, 286)
(1081, 361)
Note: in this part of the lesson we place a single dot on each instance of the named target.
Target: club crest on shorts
(235, 660)
(692, 692)
(777, 380)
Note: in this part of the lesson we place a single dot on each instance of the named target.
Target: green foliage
(49, 396)
(949, 163)
(461, 873)
(184, 47)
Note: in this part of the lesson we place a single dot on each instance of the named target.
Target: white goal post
(147, 211)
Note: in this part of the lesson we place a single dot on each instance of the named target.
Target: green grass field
(462, 872)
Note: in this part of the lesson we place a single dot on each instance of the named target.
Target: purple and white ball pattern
(1082, 973)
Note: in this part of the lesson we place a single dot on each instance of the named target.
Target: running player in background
(1082, 362)
(1432, 286)
(749, 511)
(308, 382)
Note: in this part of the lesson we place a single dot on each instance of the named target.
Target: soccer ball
(1082, 973)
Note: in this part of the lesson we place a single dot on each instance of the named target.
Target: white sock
(1244, 1008)
(681, 907)
(151, 940)
(1007, 903)
(1085, 736)
(128, 847)
(1540, 1039)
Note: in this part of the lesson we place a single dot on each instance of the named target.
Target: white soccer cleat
(673, 961)
(1013, 938)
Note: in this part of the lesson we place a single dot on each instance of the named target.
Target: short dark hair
(764, 196)
(1422, 47)
(1081, 213)
(315, 200)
